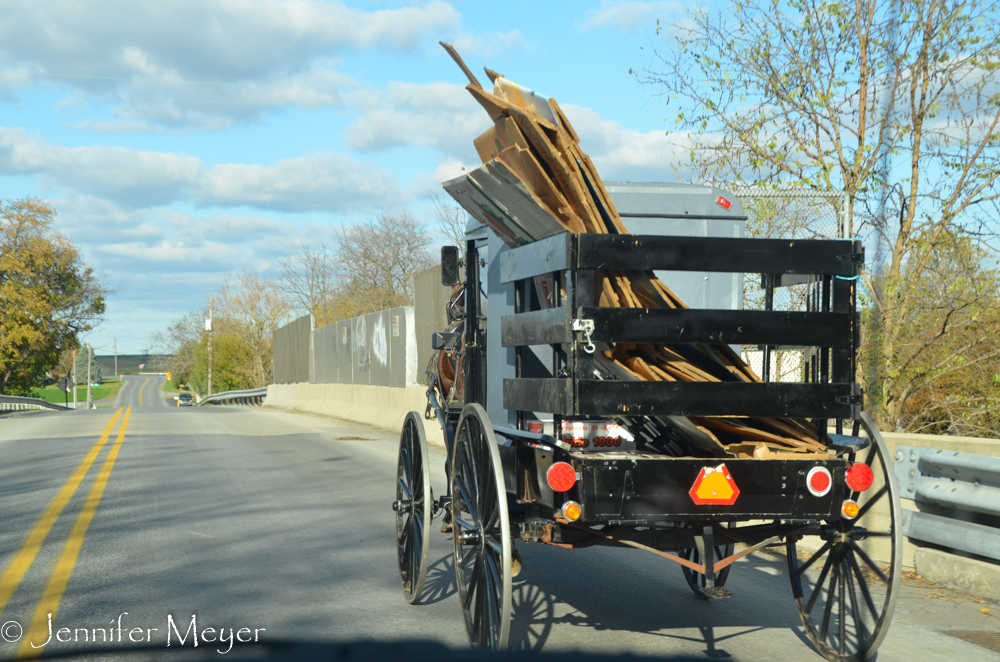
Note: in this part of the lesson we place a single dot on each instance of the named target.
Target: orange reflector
(571, 511)
(850, 509)
(561, 476)
(714, 487)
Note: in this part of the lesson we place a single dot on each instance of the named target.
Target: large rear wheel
(413, 505)
(481, 531)
(845, 597)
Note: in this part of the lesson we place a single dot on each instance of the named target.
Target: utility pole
(74, 378)
(90, 359)
(208, 327)
(116, 359)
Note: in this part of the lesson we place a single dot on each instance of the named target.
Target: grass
(52, 393)
(171, 387)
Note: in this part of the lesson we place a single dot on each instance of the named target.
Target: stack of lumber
(536, 182)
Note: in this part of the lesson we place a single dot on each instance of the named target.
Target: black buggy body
(548, 444)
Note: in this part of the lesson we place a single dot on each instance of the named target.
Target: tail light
(819, 481)
(859, 477)
(849, 509)
(561, 476)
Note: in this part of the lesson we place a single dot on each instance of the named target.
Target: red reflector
(561, 476)
(859, 477)
(819, 481)
(725, 203)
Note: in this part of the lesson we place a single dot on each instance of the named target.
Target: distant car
(185, 400)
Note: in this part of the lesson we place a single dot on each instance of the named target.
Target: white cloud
(204, 40)
(439, 115)
(491, 45)
(316, 182)
(625, 154)
(626, 16)
(128, 176)
(203, 63)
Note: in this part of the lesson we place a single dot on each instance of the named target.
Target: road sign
(66, 384)
(141, 366)
(168, 376)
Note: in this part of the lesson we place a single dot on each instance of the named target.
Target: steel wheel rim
(851, 588)
(479, 509)
(412, 523)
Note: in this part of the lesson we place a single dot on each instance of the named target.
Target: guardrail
(964, 483)
(18, 403)
(254, 396)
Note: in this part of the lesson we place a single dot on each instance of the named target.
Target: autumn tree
(952, 339)
(179, 342)
(375, 262)
(48, 295)
(894, 103)
(249, 308)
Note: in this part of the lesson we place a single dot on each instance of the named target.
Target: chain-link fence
(787, 214)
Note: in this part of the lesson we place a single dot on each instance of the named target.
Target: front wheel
(413, 507)
(698, 581)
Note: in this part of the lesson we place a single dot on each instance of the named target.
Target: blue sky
(186, 140)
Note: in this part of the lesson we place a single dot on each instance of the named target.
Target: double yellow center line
(11, 579)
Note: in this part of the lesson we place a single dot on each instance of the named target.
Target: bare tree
(310, 279)
(831, 95)
(452, 219)
(180, 341)
(376, 261)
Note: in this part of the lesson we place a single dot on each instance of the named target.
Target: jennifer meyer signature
(116, 632)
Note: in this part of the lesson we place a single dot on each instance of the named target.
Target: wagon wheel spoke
(477, 571)
(831, 593)
(464, 499)
(859, 622)
(868, 561)
(863, 584)
(872, 501)
(841, 609)
(812, 559)
(819, 584)
(465, 557)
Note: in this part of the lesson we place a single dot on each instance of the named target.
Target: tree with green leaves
(48, 295)
(895, 103)
(81, 367)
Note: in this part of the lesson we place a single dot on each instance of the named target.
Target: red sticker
(725, 203)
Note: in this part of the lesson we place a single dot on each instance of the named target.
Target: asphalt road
(279, 523)
(143, 391)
